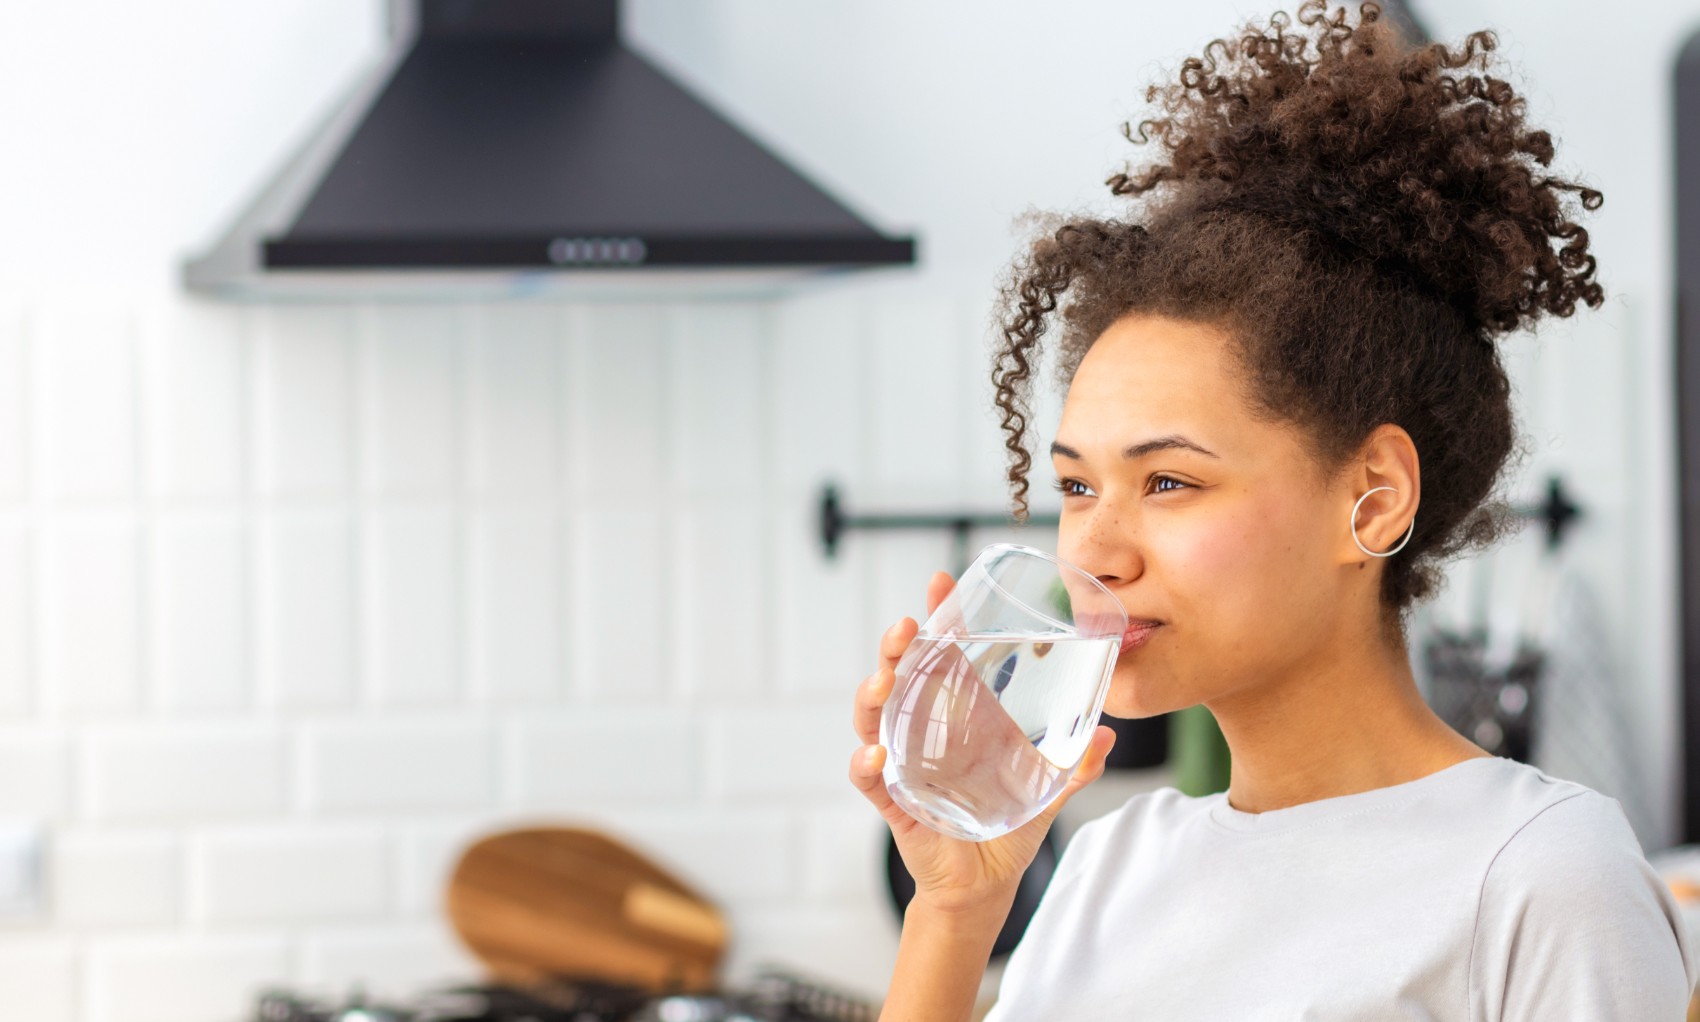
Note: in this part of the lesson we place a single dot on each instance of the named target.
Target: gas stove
(773, 995)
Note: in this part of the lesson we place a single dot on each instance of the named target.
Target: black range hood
(517, 145)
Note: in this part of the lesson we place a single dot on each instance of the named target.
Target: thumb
(1090, 769)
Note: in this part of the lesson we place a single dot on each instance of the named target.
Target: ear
(1387, 458)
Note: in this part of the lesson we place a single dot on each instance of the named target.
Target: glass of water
(996, 699)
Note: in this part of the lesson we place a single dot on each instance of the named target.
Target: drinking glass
(996, 699)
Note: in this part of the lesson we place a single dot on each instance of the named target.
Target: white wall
(295, 599)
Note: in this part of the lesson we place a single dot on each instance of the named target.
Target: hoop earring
(1360, 543)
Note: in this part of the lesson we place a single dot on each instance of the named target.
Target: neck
(1356, 725)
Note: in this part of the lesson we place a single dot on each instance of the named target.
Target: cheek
(1240, 564)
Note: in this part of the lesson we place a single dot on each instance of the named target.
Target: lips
(1137, 632)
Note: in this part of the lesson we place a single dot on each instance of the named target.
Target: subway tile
(89, 613)
(622, 602)
(900, 567)
(780, 751)
(387, 765)
(15, 327)
(919, 387)
(514, 408)
(822, 406)
(188, 978)
(195, 356)
(602, 755)
(413, 380)
(279, 874)
(848, 947)
(304, 398)
(844, 853)
(617, 394)
(104, 879)
(412, 604)
(822, 640)
(16, 647)
(199, 608)
(716, 368)
(729, 856)
(86, 407)
(306, 609)
(722, 609)
(185, 771)
(516, 605)
(38, 978)
(391, 961)
(35, 772)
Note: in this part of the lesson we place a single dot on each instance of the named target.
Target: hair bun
(1380, 152)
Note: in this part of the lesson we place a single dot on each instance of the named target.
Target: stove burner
(774, 995)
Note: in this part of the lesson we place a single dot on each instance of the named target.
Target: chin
(1125, 703)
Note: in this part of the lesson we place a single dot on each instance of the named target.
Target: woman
(1284, 409)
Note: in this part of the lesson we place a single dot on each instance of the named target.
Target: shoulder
(1565, 842)
(1570, 912)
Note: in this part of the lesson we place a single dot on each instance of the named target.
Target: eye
(1159, 480)
(1073, 488)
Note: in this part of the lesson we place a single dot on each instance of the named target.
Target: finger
(895, 640)
(870, 703)
(1090, 769)
(866, 765)
(938, 587)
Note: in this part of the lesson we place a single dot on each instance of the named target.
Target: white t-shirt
(1486, 892)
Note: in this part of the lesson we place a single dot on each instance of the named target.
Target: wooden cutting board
(549, 902)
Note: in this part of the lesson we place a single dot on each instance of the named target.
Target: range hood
(517, 146)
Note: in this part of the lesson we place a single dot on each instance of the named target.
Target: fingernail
(870, 754)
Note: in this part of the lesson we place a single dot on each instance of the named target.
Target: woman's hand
(950, 873)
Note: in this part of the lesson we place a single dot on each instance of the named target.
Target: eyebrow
(1173, 442)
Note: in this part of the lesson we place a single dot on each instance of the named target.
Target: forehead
(1149, 374)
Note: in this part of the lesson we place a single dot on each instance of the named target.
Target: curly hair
(1360, 223)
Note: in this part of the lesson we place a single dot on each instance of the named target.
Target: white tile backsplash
(105, 879)
(413, 598)
(38, 978)
(623, 587)
(601, 756)
(171, 978)
(184, 772)
(304, 406)
(717, 376)
(411, 376)
(198, 586)
(14, 401)
(516, 599)
(306, 609)
(85, 362)
(822, 406)
(296, 601)
(90, 613)
(723, 601)
(513, 373)
(618, 401)
(195, 391)
(394, 764)
(36, 772)
(15, 644)
(289, 874)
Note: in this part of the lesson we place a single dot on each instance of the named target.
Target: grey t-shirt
(1487, 892)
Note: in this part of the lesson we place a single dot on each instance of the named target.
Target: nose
(1102, 542)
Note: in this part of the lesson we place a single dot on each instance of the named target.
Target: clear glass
(996, 699)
